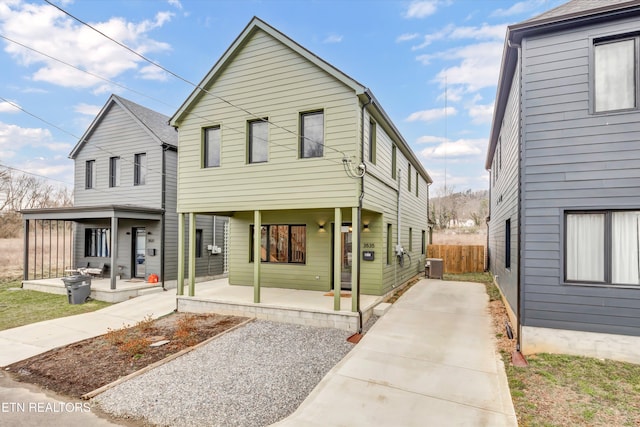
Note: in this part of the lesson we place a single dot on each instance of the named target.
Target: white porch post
(180, 287)
(257, 254)
(337, 258)
(355, 259)
(114, 250)
(192, 254)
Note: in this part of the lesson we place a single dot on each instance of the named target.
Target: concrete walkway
(429, 361)
(25, 341)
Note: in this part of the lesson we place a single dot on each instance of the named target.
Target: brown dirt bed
(82, 367)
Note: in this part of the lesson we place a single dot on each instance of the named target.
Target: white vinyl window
(603, 247)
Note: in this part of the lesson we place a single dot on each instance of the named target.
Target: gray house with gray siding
(564, 164)
(124, 213)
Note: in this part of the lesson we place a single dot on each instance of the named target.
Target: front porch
(100, 288)
(312, 308)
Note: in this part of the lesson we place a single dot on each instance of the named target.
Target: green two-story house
(322, 190)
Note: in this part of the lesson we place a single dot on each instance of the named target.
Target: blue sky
(409, 53)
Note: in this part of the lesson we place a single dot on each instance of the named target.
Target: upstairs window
(114, 172)
(615, 74)
(211, 149)
(393, 162)
(372, 142)
(312, 134)
(90, 174)
(409, 178)
(258, 141)
(140, 169)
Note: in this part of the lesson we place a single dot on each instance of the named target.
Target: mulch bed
(82, 367)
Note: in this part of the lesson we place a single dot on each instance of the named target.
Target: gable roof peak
(154, 123)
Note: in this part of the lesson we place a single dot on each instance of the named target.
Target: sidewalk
(430, 361)
(25, 341)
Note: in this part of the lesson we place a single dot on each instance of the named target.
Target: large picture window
(212, 147)
(615, 74)
(312, 134)
(97, 242)
(602, 247)
(258, 141)
(281, 243)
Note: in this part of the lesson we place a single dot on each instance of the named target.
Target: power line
(196, 86)
(31, 173)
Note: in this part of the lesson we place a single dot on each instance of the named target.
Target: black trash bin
(78, 288)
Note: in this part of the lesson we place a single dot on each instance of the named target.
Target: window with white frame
(602, 247)
(258, 141)
(312, 134)
(615, 73)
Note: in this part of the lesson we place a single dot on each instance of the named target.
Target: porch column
(257, 254)
(337, 258)
(114, 250)
(25, 253)
(355, 259)
(180, 287)
(192, 254)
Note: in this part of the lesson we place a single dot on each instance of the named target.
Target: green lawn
(20, 307)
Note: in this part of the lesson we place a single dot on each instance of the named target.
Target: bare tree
(21, 191)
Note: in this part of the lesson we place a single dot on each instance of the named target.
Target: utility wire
(198, 87)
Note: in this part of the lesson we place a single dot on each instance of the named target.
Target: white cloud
(519, 8)
(481, 113)
(479, 66)
(175, 3)
(46, 29)
(431, 115)
(451, 32)
(455, 149)
(88, 109)
(406, 37)
(332, 38)
(430, 139)
(13, 139)
(8, 107)
(420, 9)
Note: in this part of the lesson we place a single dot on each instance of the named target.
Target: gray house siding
(118, 134)
(504, 200)
(572, 159)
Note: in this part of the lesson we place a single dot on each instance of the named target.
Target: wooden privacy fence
(459, 259)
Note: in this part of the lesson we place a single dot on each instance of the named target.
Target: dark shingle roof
(156, 122)
(575, 7)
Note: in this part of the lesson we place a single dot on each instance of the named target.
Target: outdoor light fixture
(365, 228)
(321, 228)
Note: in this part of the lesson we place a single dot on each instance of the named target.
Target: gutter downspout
(163, 221)
(359, 250)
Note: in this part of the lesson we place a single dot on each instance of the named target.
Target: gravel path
(255, 375)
